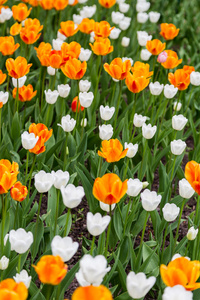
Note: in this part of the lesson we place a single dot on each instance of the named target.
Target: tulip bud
(64, 247)
(124, 7)
(162, 57)
(23, 277)
(139, 120)
(195, 78)
(154, 16)
(105, 132)
(115, 33)
(57, 44)
(156, 88)
(85, 54)
(143, 37)
(125, 41)
(86, 99)
(170, 212)
(142, 17)
(4, 98)
(179, 122)
(72, 195)
(145, 184)
(18, 192)
(84, 85)
(96, 224)
(43, 181)
(170, 91)
(177, 292)
(125, 23)
(185, 189)
(88, 11)
(74, 105)
(61, 178)
(142, 6)
(77, 19)
(177, 147)
(51, 71)
(4, 261)
(117, 17)
(177, 106)
(192, 233)
(84, 122)
(64, 90)
(148, 131)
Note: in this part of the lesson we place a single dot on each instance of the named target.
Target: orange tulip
(69, 51)
(51, 269)
(87, 25)
(74, 105)
(17, 67)
(102, 29)
(101, 46)
(11, 290)
(18, 192)
(55, 59)
(181, 271)
(172, 60)
(141, 69)
(118, 69)
(30, 32)
(75, 2)
(44, 134)
(47, 4)
(107, 3)
(21, 12)
(109, 189)
(2, 77)
(68, 28)
(112, 150)
(3, 1)
(8, 175)
(74, 68)
(169, 31)
(7, 45)
(43, 52)
(155, 46)
(34, 2)
(192, 174)
(180, 79)
(136, 84)
(15, 28)
(92, 293)
(60, 4)
(25, 93)
(188, 69)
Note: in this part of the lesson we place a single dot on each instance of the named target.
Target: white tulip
(61, 178)
(106, 207)
(177, 292)
(4, 261)
(61, 36)
(142, 6)
(115, 33)
(84, 122)
(150, 200)
(145, 54)
(138, 285)
(125, 23)
(148, 131)
(142, 17)
(20, 80)
(57, 43)
(125, 41)
(29, 140)
(86, 99)
(77, 19)
(85, 54)
(51, 71)
(88, 11)
(67, 123)
(139, 120)
(117, 17)
(6, 14)
(4, 97)
(106, 112)
(23, 277)
(84, 85)
(154, 16)
(64, 90)
(179, 122)
(132, 149)
(124, 7)
(72, 195)
(143, 37)
(51, 96)
(192, 233)
(64, 247)
(105, 132)
(20, 240)
(195, 78)
(96, 224)
(43, 181)
(170, 212)
(156, 88)
(185, 189)
(170, 91)
(127, 58)
(134, 187)
(82, 1)
(177, 147)
(177, 106)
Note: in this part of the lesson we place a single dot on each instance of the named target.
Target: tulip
(139, 120)
(136, 83)
(64, 247)
(118, 69)
(68, 28)
(86, 99)
(20, 240)
(77, 20)
(124, 25)
(72, 195)
(30, 32)
(138, 285)
(18, 191)
(23, 277)
(172, 60)
(17, 68)
(61, 178)
(185, 189)
(177, 147)
(192, 174)
(67, 123)
(154, 16)
(112, 150)
(195, 78)
(85, 54)
(105, 132)
(6, 14)
(84, 122)
(117, 17)
(106, 112)
(51, 269)
(96, 224)
(74, 69)
(145, 54)
(19, 82)
(180, 79)
(156, 88)
(192, 233)
(106, 207)
(107, 3)
(88, 11)
(51, 96)
(127, 58)
(155, 46)
(101, 46)
(43, 181)
(75, 103)
(102, 29)
(60, 4)
(20, 12)
(124, 7)
(115, 33)
(4, 261)
(142, 17)
(9, 289)
(177, 106)
(44, 134)
(2, 77)
(43, 52)
(170, 212)
(8, 175)
(125, 41)
(3, 98)
(84, 85)
(7, 45)
(150, 200)
(47, 5)
(51, 71)
(142, 6)
(162, 57)
(169, 31)
(25, 93)
(143, 37)
(64, 90)
(132, 149)
(148, 131)
(92, 270)
(179, 122)
(170, 91)
(134, 187)
(177, 292)
(92, 292)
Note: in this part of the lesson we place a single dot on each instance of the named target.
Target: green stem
(43, 85)
(177, 229)
(143, 156)
(8, 81)
(30, 175)
(57, 208)
(19, 263)
(37, 220)
(65, 152)
(16, 213)
(92, 245)
(126, 218)
(118, 104)
(126, 168)
(142, 238)
(2, 224)
(67, 220)
(133, 113)
(26, 175)
(163, 245)
(83, 124)
(188, 103)
(108, 234)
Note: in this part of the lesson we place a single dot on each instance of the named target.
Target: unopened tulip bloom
(6, 14)
(106, 207)
(92, 292)
(143, 37)
(124, 7)
(132, 149)
(134, 187)
(154, 16)
(170, 91)
(139, 120)
(64, 247)
(177, 106)
(115, 33)
(64, 90)
(84, 85)
(88, 11)
(195, 78)
(142, 17)
(4, 261)
(85, 54)
(192, 174)
(51, 71)
(169, 31)
(145, 54)
(117, 17)
(142, 6)
(106, 112)
(162, 57)
(96, 224)
(155, 46)
(148, 131)
(43, 181)
(20, 81)
(177, 147)
(18, 192)
(177, 292)
(86, 99)
(61, 178)
(3, 98)
(92, 269)
(150, 200)
(9, 289)
(125, 41)
(192, 233)
(185, 189)
(23, 277)
(181, 271)
(170, 212)
(156, 88)
(72, 195)
(138, 285)
(179, 122)
(112, 150)
(51, 269)
(105, 132)
(67, 123)
(20, 240)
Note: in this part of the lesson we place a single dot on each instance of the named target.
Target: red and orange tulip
(180, 79)
(169, 31)
(25, 93)
(141, 69)
(172, 60)
(44, 134)
(74, 105)
(102, 46)
(92, 293)
(8, 175)
(109, 189)
(155, 46)
(47, 4)
(192, 174)
(55, 59)
(21, 12)
(74, 69)
(118, 69)
(17, 67)
(15, 29)
(2, 77)
(30, 32)
(181, 271)
(71, 50)
(11, 290)
(188, 69)
(102, 29)
(51, 269)
(112, 150)
(7, 45)
(18, 191)
(87, 25)
(60, 4)
(136, 84)
(68, 28)
(43, 52)
(107, 3)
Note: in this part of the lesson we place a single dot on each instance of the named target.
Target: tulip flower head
(172, 60)
(4, 261)
(20, 240)
(17, 68)
(102, 29)
(118, 69)
(64, 247)
(74, 69)
(180, 79)
(15, 29)
(112, 150)
(2, 77)
(8, 175)
(96, 224)
(21, 12)
(107, 3)
(192, 174)
(109, 188)
(23, 277)
(44, 134)
(30, 32)
(87, 25)
(92, 293)
(101, 46)
(68, 28)
(7, 45)
(18, 191)
(169, 31)
(25, 93)
(155, 46)
(9, 289)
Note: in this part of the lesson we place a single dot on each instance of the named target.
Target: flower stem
(177, 229)
(19, 263)
(108, 233)
(67, 220)
(57, 208)
(92, 245)
(118, 103)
